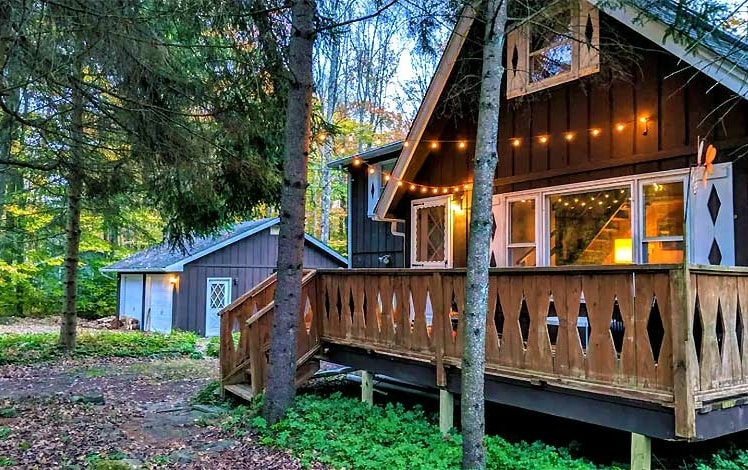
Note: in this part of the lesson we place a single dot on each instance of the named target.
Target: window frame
(507, 229)
(635, 183)
(643, 239)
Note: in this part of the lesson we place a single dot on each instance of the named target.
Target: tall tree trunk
(74, 178)
(327, 151)
(479, 244)
(280, 389)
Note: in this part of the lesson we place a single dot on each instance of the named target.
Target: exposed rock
(93, 397)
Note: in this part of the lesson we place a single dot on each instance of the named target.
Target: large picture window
(619, 221)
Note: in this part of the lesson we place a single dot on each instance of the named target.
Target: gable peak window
(559, 45)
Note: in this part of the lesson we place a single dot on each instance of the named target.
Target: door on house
(131, 297)
(217, 297)
(430, 237)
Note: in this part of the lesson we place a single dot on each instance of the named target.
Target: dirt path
(75, 414)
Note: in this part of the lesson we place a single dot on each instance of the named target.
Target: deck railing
(667, 335)
(248, 322)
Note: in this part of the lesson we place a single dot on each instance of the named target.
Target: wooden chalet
(617, 291)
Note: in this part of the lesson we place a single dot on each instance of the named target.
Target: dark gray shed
(165, 288)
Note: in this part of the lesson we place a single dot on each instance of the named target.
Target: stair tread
(241, 390)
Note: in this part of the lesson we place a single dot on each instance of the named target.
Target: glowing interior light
(623, 251)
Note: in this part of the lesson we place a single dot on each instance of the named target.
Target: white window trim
(375, 178)
(542, 208)
(435, 201)
(507, 227)
(642, 239)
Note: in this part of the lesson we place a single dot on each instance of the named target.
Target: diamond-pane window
(218, 295)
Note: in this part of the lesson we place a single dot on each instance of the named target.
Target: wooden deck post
(641, 452)
(685, 365)
(446, 411)
(367, 387)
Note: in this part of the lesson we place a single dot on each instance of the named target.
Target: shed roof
(165, 258)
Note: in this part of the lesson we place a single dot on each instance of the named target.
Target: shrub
(38, 347)
(213, 347)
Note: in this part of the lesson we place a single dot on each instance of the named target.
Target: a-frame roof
(708, 49)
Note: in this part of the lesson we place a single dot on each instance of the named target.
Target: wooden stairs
(245, 338)
(600, 250)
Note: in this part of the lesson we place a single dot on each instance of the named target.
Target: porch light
(435, 190)
(173, 280)
(623, 251)
(543, 139)
(457, 205)
(569, 136)
(386, 177)
(399, 183)
(412, 187)
(516, 142)
(372, 171)
(423, 190)
(620, 127)
(445, 190)
(434, 145)
(462, 144)
(595, 132)
(356, 161)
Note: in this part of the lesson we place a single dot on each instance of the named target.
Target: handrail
(253, 292)
(264, 310)
(569, 270)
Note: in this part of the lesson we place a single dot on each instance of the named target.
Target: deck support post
(367, 387)
(446, 411)
(641, 452)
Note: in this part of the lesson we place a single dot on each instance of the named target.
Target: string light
(568, 135)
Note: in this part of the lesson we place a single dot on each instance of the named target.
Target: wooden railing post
(681, 315)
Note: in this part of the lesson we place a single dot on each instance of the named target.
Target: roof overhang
(701, 58)
(373, 155)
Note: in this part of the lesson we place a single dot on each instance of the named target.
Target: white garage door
(131, 297)
(159, 300)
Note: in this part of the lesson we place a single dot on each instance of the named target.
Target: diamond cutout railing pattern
(719, 329)
(617, 328)
(698, 329)
(739, 327)
(524, 321)
(655, 330)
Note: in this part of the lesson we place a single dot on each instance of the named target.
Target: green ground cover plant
(38, 347)
(345, 433)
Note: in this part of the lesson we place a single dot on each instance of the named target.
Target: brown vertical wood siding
(370, 239)
(674, 97)
(247, 262)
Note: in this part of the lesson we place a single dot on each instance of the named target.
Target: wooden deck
(657, 350)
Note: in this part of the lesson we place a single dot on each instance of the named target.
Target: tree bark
(280, 389)
(479, 244)
(74, 176)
